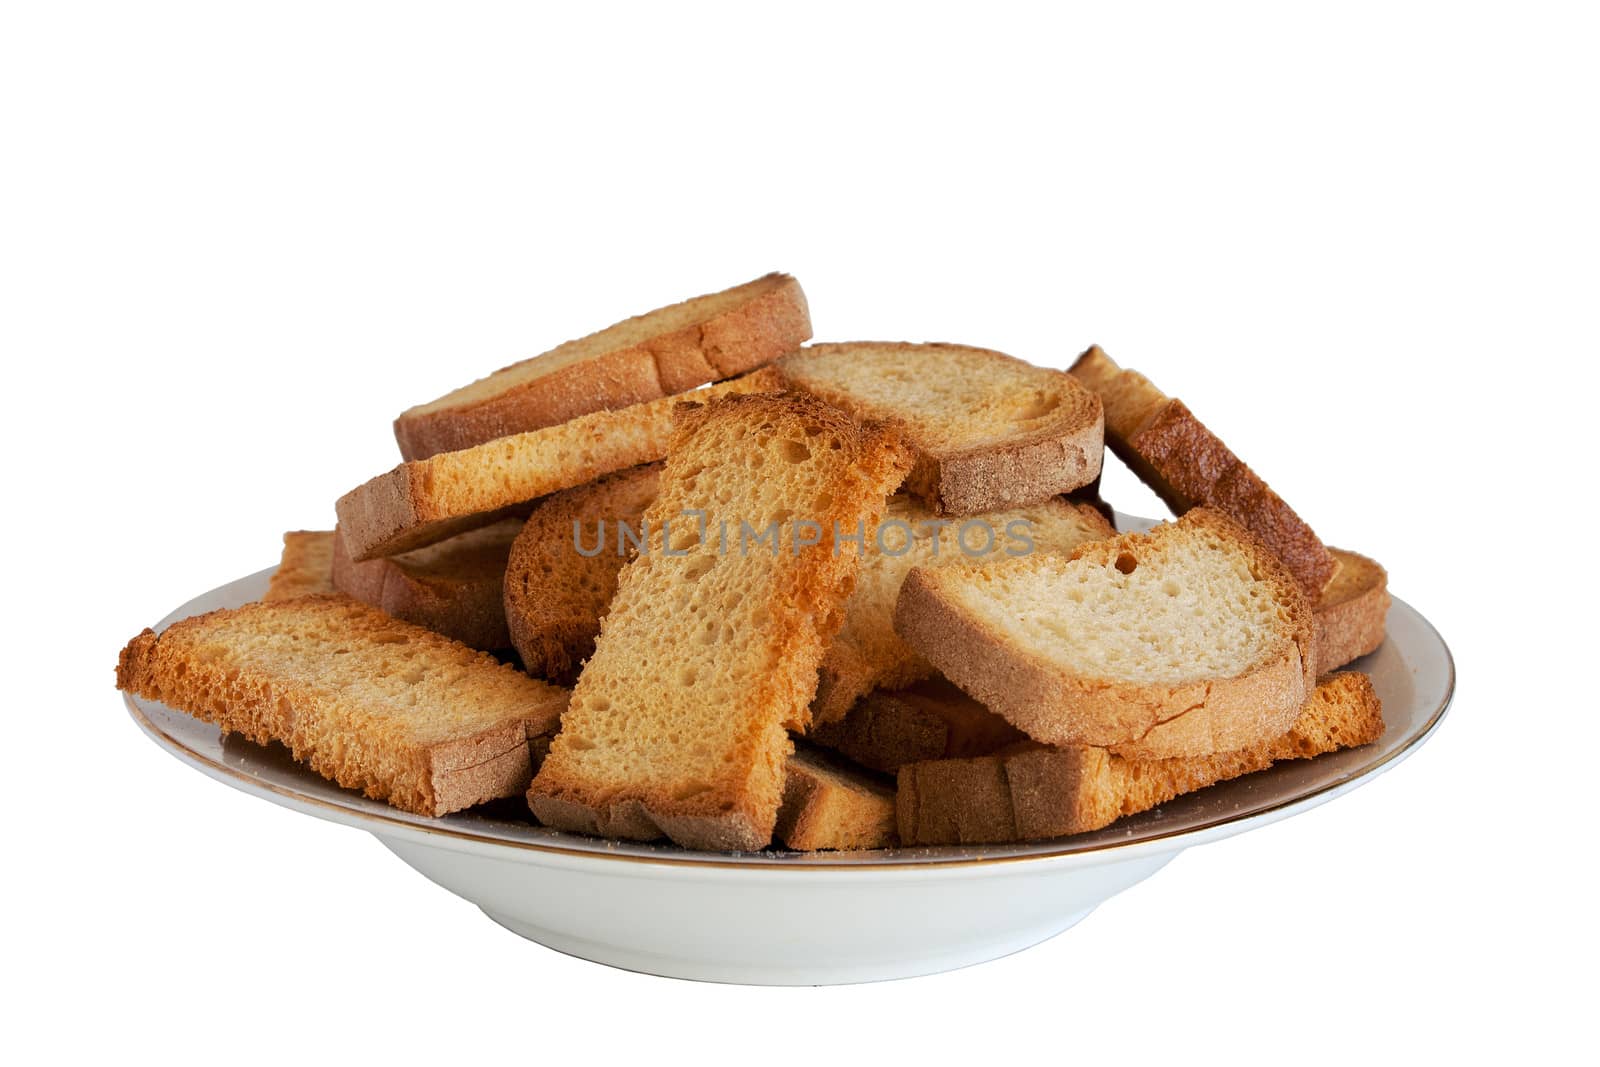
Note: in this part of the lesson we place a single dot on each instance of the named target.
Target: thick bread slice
(1031, 791)
(931, 720)
(990, 431)
(555, 594)
(426, 501)
(1184, 641)
(657, 354)
(828, 804)
(705, 658)
(1172, 452)
(306, 567)
(452, 588)
(867, 654)
(366, 700)
(1352, 613)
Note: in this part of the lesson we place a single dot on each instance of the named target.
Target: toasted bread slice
(1188, 466)
(828, 804)
(666, 351)
(371, 702)
(452, 588)
(1352, 612)
(563, 569)
(705, 658)
(867, 654)
(1031, 791)
(931, 720)
(306, 567)
(424, 502)
(990, 431)
(1187, 640)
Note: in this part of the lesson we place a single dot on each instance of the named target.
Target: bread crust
(770, 320)
(1187, 465)
(830, 805)
(423, 502)
(1136, 720)
(927, 721)
(554, 598)
(1030, 791)
(1353, 612)
(1031, 464)
(194, 668)
(734, 805)
(453, 588)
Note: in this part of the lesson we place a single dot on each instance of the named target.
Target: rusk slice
(306, 566)
(931, 720)
(1352, 614)
(1187, 640)
(1030, 791)
(366, 700)
(666, 351)
(452, 588)
(1172, 452)
(828, 804)
(555, 594)
(705, 658)
(990, 431)
(868, 654)
(422, 502)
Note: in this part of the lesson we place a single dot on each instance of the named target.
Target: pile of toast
(691, 577)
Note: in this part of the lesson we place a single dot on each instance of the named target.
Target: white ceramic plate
(810, 918)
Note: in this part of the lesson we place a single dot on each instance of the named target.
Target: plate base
(811, 974)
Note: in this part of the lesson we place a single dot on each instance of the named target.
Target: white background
(1361, 244)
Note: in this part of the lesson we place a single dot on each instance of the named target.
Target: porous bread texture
(868, 654)
(554, 594)
(662, 352)
(306, 566)
(1030, 791)
(828, 804)
(422, 502)
(989, 430)
(373, 703)
(929, 720)
(452, 588)
(1187, 465)
(1353, 612)
(677, 724)
(1187, 640)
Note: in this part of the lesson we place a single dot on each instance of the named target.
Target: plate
(792, 918)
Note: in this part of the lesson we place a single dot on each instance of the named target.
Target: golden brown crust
(927, 721)
(1353, 612)
(1030, 791)
(555, 595)
(306, 567)
(219, 668)
(767, 318)
(603, 779)
(453, 588)
(1160, 439)
(1134, 719)
(423, 502)
(1036, 459)
(828, 804)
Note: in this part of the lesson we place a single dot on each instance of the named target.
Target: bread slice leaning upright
(709, 654)
(1184, 641)
(989, 430)
(666, 351)
(371, 702)
(1162, 442)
